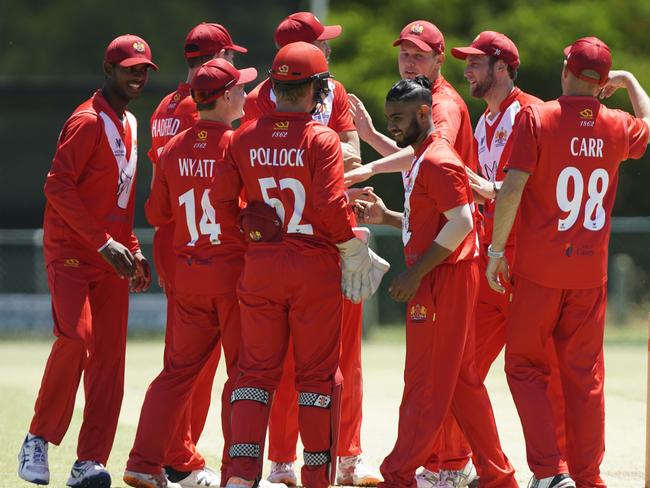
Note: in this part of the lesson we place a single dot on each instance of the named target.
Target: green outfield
(22, 362)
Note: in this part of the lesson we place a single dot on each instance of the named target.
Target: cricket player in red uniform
(562, 177)
(92, 260)
(422, 52)
(209, 252)
(292, 166)
(176, 113)
(492, 65)
(441, 288)
(283, 426)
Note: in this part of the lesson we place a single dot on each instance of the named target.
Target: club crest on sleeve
(138, 46)
(418, 313)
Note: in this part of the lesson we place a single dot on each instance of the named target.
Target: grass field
(22, 362)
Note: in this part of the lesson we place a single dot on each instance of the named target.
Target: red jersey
(494, 145)
(296, 166)
(451, 120)
(436, 182)
(175, 113)
(209, 246)
(572, 148)
(89, 188)
(335, 111)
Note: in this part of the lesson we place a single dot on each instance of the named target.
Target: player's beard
(480, 89)
(411, 135)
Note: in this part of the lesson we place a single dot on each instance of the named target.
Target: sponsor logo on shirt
(500, 137)
(417, 29)
(418, 313)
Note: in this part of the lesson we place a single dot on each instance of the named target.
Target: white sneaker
(427, 479)
(89, 474)
(282, 473)
(457, 479)
(352, 471)
(32, 461)
(200, 478)
(237, 482)
(146, 480)
(558, 481)
(267, 484)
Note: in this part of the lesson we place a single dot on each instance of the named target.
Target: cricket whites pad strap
(244, 450)
(253, 394)
(316, 458)
(314, 400)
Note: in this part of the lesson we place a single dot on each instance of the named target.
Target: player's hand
(357, 175)
(405, 286)
(120, 258)
(482, 188)
(358, 193)
(496, 267)
(617, 79)
(372, 209)
(361, 117)
(141, 280)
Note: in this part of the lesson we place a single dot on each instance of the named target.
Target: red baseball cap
(129, 50)
(213, 78)
(589, 59)
(304, 26)
(298, 61)
(207, 39)
(493, 44)
(424, 35)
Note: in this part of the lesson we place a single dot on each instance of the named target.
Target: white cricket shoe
(89, 474)
(200, 478)
(282, 473)
(458, 479)
(146, 480)
(427, 479)
(237, 482)
(562, 480)
(352, 471)
(32, 460)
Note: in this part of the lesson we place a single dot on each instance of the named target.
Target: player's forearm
(384, 145)
(398, 161)
(507, 204)
(63, 196)
(638, 97)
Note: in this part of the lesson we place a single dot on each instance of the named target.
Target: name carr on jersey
(265, 156)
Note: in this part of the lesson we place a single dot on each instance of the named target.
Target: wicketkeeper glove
(361, 270)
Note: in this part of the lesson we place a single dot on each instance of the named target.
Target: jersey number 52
(295, 186)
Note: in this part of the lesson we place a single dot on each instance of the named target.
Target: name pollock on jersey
(198, 168)
(165, 127)
(264, 156)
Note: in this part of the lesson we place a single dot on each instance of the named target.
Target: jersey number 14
(207, 225)
(595, 215)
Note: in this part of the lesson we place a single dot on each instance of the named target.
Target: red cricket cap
(493, 44)
(589, 59)
(129, 50)
(298, 61)
(304, 26)
(207, 39)
(424, 35)
(213, 78)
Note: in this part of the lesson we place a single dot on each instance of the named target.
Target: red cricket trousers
(90, 313)
(201, 322)
(283, 423)
(287, 292)
(452, 450)
(182, 454)
(440, 374)
(574, 320)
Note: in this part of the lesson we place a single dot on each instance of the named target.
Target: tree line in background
(48, 46)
